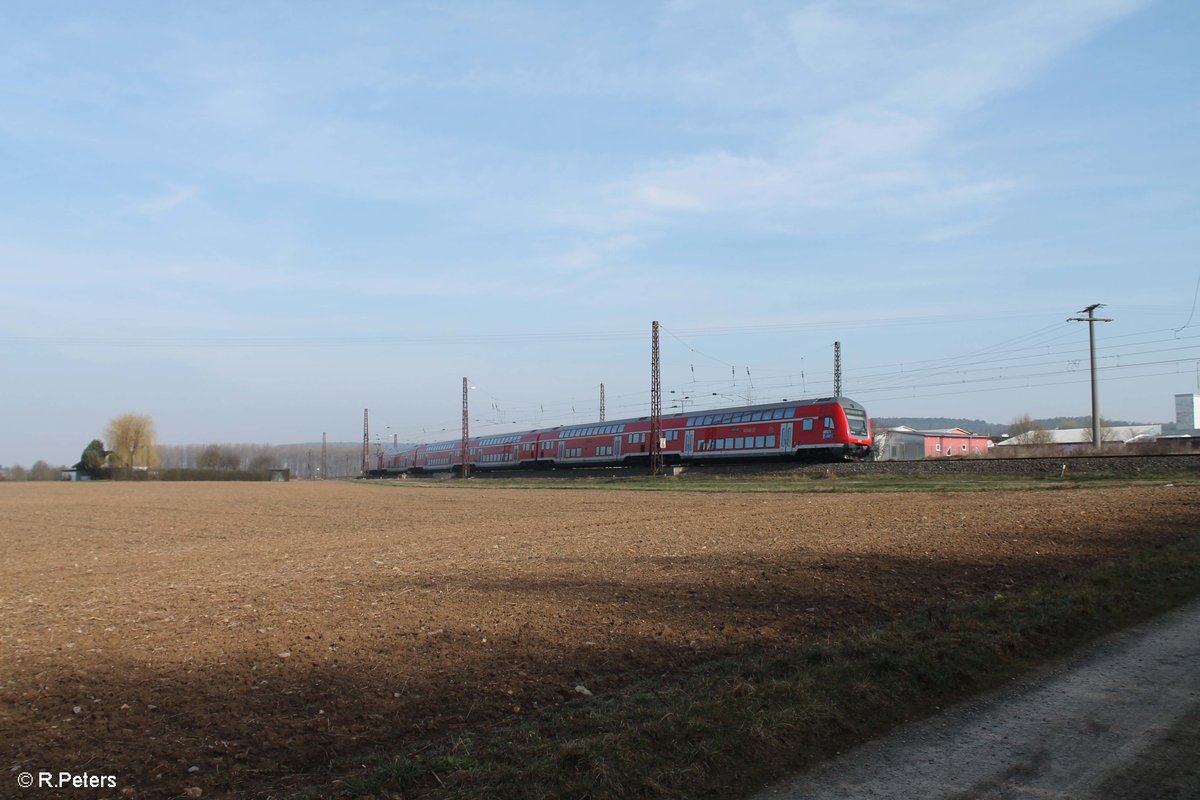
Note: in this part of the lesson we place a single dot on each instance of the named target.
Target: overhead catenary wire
(1016, 363)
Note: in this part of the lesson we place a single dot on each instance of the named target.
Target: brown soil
(273, 635)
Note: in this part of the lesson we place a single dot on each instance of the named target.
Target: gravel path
(1121, 720)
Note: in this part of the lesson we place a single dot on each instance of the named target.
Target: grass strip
(808, 482)
(728, 726)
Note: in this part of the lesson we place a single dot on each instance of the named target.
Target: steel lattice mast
(466, 432)
(602, 402)
(366, 443)
(837, 369)
(656, 457)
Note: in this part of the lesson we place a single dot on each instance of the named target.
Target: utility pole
(466, 432)
(656, 456)
(837, 369)
(602, 402)
(1091, 319)
(324, 456)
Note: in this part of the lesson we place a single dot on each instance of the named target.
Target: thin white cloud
(162, 203)
(883, 145)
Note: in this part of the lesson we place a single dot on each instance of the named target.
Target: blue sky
(252, 220)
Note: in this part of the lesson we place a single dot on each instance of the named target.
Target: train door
(617, 447)
(785, 436)
(689, 442)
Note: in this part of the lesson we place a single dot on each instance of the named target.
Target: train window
(808, 423)
(829, 422)
(770, 441)
(759, 441)
(672, 435)
(791, 412)
(741, 442)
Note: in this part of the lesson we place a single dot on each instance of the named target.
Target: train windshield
(857, 420)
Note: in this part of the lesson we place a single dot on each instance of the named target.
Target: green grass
(820, 482)
(726, 727)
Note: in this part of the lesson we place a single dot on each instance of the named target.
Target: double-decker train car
(828, 429)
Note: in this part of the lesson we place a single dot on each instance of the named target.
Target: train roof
(844, 401)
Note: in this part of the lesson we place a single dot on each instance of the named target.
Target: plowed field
(254, 639)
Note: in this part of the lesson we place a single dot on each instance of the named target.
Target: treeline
(40, 471)
(341, 460)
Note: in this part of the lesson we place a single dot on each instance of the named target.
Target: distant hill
(937, 423)
(982, 426)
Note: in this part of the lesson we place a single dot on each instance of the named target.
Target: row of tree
(340, 460)
(40, 471)
(130, 446)
(1039, 431)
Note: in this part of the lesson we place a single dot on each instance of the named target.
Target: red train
(829, 428)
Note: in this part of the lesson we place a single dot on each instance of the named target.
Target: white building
(1187, 412)
(1070, 437)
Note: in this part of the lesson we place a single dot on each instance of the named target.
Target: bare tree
(1040, 435)
(1021, 425)
(210, 457)
(230, 458)
(1033, 431)
(41, 471)
(1107, 432)
(131, 439)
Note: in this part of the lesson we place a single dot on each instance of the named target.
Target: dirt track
(1116, 721)
(270, 635)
